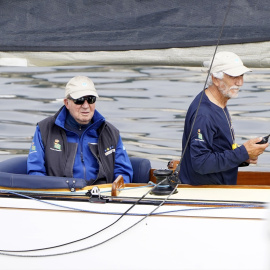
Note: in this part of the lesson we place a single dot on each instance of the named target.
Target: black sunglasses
(80, 101)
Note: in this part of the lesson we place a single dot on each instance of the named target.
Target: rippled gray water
(147, 104)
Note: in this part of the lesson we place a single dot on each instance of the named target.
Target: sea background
(147, 104)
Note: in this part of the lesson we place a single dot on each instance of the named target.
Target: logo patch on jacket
(109, 150)
(200, 136)
(33, 148)
(56, 146)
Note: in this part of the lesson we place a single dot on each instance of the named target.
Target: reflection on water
(147, 104)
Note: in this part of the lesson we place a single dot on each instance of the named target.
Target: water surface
(147, 104)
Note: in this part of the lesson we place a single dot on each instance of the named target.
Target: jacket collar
(60, 118)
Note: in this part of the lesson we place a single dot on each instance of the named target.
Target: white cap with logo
(227, 62)
(80, 86)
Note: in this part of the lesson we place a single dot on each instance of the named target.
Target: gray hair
(218, 75)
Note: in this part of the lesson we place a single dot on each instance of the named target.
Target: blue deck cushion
(16, 165)
(13, 173)
(141, 170)
(40, 182)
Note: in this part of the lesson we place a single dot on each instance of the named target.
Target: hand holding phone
(264, 140)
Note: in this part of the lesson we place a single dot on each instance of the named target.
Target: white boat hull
(184, 236)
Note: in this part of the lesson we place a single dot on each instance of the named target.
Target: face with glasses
(81, 109)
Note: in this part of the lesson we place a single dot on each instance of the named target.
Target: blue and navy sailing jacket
(97, 154)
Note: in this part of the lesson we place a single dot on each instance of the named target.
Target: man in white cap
(78, 142)
(212, 155)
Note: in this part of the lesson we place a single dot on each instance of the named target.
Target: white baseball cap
(227, 62)
(80, 86)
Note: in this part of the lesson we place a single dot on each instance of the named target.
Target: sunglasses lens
(78, 101)
(89, 99)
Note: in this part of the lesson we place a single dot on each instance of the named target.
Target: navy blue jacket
(86, 162)
(209, 158)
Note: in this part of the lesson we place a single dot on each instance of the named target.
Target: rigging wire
(177, 170)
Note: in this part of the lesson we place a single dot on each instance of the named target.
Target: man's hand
(254, 150)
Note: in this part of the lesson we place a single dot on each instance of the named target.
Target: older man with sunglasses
(78, 142)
